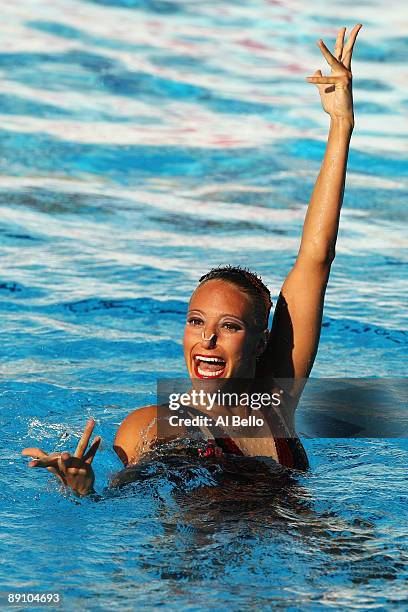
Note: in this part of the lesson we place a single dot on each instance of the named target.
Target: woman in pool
(226, 336)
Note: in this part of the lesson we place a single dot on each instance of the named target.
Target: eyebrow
(224, 315)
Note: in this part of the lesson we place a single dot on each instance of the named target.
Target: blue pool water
(143, 142)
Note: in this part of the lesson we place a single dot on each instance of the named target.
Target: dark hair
(248, 282)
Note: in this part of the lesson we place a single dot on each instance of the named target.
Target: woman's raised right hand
(74, 471)
(335, 90)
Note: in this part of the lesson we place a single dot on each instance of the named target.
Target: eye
(194, 321)
(231, 327)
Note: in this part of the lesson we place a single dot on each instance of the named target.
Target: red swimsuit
(290, 450)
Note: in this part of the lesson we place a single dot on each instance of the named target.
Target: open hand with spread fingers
(74, 471)
(336, 90)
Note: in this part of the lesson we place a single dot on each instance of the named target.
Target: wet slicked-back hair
(249, 283)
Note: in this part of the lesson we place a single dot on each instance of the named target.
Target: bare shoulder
(138, 416)
(135, 434)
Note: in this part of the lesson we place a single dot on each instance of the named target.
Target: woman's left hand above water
(336, 90)
(74, 471)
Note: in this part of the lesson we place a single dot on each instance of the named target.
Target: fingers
(45, 462)
(331, 60)
(69, 467)
(38, 455)
(90, 454)
(318, 74)
(33, 452)
(64, 465)
(63, 461)
(83, 443)
(334, 80)
(50, 462)
(348, 49)
(342, 53)
(338, 47)
(353, 35)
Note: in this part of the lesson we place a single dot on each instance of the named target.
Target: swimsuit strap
(289, 448)
(228, 446)
(291, 453)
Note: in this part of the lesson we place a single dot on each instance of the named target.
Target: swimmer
(226, 335)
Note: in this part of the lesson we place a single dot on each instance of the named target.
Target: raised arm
(295, 333)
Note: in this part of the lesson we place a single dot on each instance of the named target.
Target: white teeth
(208, 359)
(209, 374)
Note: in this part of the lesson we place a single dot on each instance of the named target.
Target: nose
(208, 339)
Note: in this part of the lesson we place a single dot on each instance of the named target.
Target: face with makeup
(221, 338)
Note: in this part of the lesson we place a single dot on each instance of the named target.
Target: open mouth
(209, 367)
